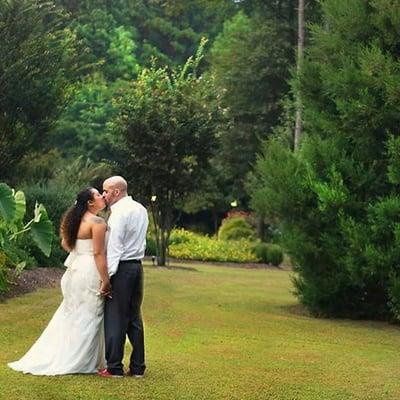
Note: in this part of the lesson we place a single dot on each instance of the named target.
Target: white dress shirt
(127, 228)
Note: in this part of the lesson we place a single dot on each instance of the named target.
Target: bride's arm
(99, 229)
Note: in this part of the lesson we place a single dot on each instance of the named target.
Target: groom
(125, 249)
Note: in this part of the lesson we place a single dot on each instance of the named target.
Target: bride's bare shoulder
(98, 220)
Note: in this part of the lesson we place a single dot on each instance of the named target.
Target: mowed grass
(219, 333)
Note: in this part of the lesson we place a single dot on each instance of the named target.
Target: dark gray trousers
(122, 316)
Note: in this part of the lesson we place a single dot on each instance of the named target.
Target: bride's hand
(105, 289)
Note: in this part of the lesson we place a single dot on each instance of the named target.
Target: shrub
(275, 254)
(269, 253)
(180, 236)
(235, 228)
(261, 251)
(205, 248)
(3, 273)
(16, 253)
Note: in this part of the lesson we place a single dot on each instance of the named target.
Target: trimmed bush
(261, 252)
(269, 253)
(275, 254)
(236, 228)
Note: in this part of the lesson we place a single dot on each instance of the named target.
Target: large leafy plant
(12, 226)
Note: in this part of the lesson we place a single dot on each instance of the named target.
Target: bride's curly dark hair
(72, 218)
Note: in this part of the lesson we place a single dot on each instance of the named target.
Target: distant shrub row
(191, 246)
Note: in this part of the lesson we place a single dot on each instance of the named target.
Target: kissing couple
(102, 290)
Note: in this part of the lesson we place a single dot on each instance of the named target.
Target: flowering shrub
(192, 246)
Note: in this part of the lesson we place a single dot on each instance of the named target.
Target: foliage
(269, 253)
(12, 212)
(82, 127)
(275, 254)
(69, 177)
(211, 194)
(39, 57)
(250, 61)
(151, 246)
(337, 198)
(236, 228)
(57, 194)
(3, 273)
(112, 46)
(168, 122)
(39, 166)
(191, 246)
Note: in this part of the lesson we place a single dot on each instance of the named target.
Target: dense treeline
(90, 88)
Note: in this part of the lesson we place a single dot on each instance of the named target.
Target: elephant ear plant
(12, 226)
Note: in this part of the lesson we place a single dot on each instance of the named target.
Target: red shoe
(104, 373)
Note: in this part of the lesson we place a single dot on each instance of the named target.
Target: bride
(73, 341)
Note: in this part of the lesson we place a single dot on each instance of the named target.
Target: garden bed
(33, 279)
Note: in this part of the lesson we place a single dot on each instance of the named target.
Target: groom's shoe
(130, 373)
(104, 373)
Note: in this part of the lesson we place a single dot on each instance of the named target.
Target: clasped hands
(105, 289)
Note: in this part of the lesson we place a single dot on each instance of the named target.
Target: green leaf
(20, 203)
(42, 230)
(7, 202)
(38, 212)
(19, 268)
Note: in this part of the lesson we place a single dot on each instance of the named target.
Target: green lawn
(219, 333)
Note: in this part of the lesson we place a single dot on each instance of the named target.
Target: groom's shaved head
(117, 182)
(114, 189)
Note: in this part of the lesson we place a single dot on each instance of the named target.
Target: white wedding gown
(73, 341)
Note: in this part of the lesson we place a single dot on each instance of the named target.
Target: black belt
(130, 261)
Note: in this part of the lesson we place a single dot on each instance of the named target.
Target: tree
(112, 47)
(336, 198)
(82, 127)
(250, 60)
(38, 59)
(300, 56)
(169, 122)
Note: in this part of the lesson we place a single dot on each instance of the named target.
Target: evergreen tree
(38, 60)
(337, 197)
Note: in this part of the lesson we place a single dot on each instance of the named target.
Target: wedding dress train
(73, 341)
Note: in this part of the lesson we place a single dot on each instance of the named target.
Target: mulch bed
(33, 279)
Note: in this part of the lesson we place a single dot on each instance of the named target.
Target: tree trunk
(300, 56)
(215, 219)
(162, 253)
(163, 222)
